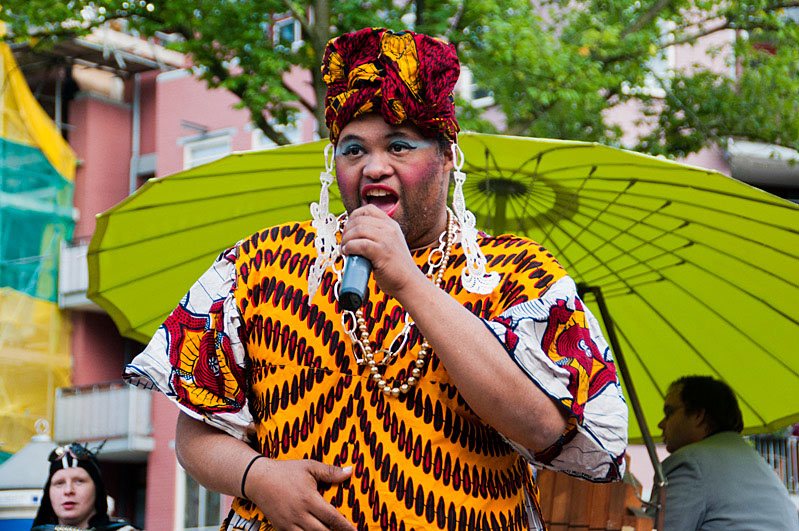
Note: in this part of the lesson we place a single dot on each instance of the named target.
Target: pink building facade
(160, 121)
(165, 120)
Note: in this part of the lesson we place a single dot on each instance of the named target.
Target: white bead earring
(474, 277)
(325, 223)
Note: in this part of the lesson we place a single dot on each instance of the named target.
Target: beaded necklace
(354, 324)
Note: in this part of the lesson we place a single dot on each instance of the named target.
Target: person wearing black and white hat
(74, 495)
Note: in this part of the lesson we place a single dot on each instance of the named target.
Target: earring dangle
(474, 277)
(325, 223)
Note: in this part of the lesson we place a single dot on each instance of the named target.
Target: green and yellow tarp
(37, 170)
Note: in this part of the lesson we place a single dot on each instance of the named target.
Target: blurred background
(98, 97)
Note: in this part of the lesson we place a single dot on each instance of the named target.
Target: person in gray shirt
(716, 480)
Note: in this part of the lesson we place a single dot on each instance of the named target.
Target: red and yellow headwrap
(403, 76)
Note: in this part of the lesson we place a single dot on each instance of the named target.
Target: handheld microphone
(354, 281)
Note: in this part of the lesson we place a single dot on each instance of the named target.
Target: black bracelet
(247, 471)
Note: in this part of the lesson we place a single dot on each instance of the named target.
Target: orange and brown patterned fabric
(403, 76)
(246, 353)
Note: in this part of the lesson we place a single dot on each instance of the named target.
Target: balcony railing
(113, 412)
(781, 453)
(73, 277)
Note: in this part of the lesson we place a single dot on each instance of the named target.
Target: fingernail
(347, 469)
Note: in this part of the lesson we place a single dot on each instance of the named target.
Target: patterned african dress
(246, 353)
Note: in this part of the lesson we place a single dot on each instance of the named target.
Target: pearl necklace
(437, 262)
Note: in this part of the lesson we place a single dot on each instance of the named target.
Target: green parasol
(699, 273)
(147, 250)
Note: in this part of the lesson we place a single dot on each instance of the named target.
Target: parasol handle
(660, 479)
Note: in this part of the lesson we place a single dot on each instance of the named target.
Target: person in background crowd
(74, 495)
(716, 480)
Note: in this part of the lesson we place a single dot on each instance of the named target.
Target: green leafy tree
(557, 67)
(553, 67)
(232, 42)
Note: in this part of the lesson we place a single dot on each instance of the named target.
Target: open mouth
(383, 198)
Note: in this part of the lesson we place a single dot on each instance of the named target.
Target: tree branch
(305, 102)
(295, 12)
(456, 20)
(647, 17)
(419, 23)
(519, 128)
(728, 24)
(58, 31)
(217, 69)
(695, 36)
(663, 46)
(260, 121)
(321, 36)
(698, 123)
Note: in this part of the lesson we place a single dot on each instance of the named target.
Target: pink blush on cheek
(419, 173)
(347, 186)
(347, 183)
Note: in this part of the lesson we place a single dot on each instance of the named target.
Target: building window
(198, 507)
(470, 91)
(287, 34)
(660, 66)
(766, 40)
(261, 141)
(205, 150)
(661, 70)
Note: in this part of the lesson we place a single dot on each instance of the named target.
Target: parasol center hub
(502, 187)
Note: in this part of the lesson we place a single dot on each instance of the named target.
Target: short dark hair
(443, 142)
(715, 398)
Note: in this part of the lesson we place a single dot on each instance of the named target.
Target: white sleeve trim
(601, 439)
(152, 370)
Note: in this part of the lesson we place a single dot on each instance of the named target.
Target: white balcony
(762, 164)
(114, 412)
(73, 277)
